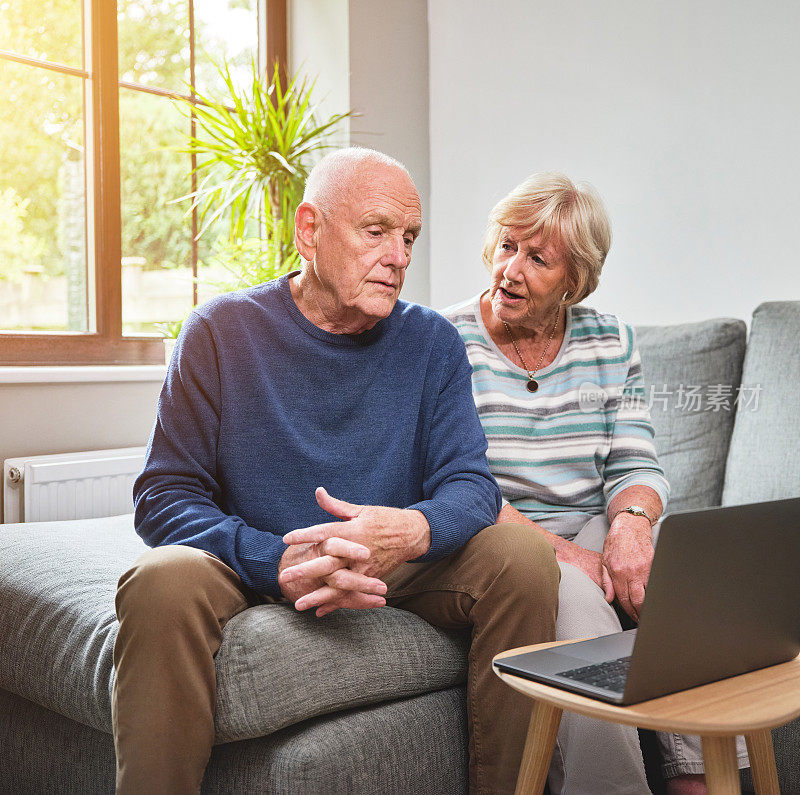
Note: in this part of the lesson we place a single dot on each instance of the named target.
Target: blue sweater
(260, 406)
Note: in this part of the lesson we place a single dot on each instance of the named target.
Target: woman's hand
(628, 556)
(590, 563)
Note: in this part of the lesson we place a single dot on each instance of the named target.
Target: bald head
(331, 180)
(355, 229)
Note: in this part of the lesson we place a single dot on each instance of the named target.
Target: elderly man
(321, 378)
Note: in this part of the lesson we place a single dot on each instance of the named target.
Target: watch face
(636, 510)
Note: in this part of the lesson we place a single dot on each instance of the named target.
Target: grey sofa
(373, 701)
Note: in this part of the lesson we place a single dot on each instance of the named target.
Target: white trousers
(593, 756)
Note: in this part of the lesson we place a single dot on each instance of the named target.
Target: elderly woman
(559, 391)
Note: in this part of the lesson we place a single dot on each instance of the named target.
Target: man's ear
(306, 223)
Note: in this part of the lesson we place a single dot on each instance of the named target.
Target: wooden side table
(750, 704)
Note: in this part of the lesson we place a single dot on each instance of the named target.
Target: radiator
(70, 485)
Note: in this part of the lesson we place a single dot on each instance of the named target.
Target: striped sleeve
(632, 457)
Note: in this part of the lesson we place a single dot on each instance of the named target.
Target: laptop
(723, 598)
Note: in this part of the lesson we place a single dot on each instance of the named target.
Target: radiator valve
(14, 475)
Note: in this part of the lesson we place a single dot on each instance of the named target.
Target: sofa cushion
(275, 667)
(688, 370)
(763, 462)
(416, 745)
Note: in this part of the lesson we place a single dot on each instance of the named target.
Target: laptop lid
(723, 598)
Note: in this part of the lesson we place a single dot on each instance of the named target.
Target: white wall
(319, 47)
(389, 87)
(371, 56)
(42, 413)
(684, 115)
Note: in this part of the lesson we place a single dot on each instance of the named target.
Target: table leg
(539, 745)
(762, 762)
(722, 772)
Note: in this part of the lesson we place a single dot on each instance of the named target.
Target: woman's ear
(306, 224)
(570, 290)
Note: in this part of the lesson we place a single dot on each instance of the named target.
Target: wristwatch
(635, 510)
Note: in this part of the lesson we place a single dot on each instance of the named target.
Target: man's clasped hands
(340, 564)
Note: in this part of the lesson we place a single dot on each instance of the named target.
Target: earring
(564, 297)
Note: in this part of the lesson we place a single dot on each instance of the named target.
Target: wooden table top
(760, 699)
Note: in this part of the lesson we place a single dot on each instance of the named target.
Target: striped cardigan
(584, 435)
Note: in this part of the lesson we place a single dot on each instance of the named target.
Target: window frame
(106, 344)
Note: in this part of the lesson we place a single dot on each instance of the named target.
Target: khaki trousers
(174, 602)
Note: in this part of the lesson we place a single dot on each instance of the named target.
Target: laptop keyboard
(610, 675)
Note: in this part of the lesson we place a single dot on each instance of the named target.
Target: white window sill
(84, 375)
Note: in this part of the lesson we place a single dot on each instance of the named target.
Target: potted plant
(170, 331)
(254, 151)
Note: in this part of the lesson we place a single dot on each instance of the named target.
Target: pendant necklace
(533, 384)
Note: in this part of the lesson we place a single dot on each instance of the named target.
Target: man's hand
(628, 556)
(326, 571)
(391, 536)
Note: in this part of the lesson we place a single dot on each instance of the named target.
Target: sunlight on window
(157, 251)
(42, 201)
(232, 35)
(154, 43)
(49, 31)
(156, 237)
(44, 279)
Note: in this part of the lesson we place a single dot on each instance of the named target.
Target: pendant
(532, 385)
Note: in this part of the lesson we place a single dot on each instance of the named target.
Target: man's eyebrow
(379, 219)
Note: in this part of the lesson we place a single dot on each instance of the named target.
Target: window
(93, 249)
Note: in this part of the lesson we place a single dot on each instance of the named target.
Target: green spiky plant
(170, 329)
(254, 152)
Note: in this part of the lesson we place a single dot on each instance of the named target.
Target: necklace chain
(535, 370)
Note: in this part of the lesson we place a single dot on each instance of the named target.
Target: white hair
(329, 178)
(574, 214)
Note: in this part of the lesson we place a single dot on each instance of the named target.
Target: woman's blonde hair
(572, 215)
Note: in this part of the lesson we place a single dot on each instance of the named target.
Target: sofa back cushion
(691, 374)
(276, 666)
(764, 457)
